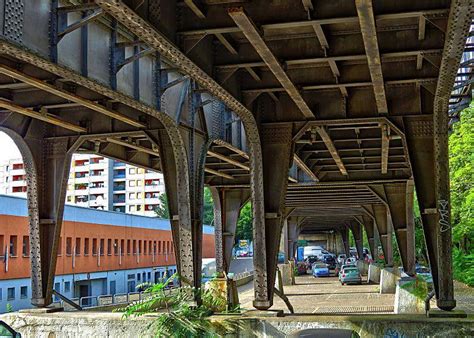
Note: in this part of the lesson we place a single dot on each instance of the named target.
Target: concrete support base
(42, 310)
(373, 275)
(410, 295)
(446, 314)
(286, 273)
(363, 267)
(263, 314)
(388, 280)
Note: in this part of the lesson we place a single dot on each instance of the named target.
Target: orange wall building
(100, 252)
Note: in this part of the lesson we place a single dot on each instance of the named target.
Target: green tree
(163, 211)
(461, 151)
(244, 224)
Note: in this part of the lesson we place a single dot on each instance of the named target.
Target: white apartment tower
(97, 182)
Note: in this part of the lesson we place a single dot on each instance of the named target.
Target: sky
(8, 149)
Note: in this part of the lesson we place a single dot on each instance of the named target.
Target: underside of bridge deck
(325, 114)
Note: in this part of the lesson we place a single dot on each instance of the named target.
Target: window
(139, 207)
(150, 251)
(13, 245)
(122, 247)
(128, 247)
(1, 294)
(86, 246)
(139, 247)
(139, 195)
(159, 246)
(77, 248)
(154, 247)
(116, 247)
(131, 286)
(102, 246)
(94, 246)
(144, 248)
(57, 287)
(139, 276)
(149, 276)
(132, 171)
(132, 195)
(139, 183)
(112, 287)
(167, 247)
(68, 246)
(144, 277)
(67, 287)
(2, 245)
(131, 276)
(26, 246)
(10, 293)
(24, 292)
(60, 246)
(171, 246)
(134, 247)
(131, 183)
(109, 247)
(132, 208)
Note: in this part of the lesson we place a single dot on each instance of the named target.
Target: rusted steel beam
(132, 146)
(332, 148)
(196, 8)
(15, 74)
(385, 147)
(218, 173)
(43, 116)
(320, 35)
(251, 33)
(226, 43)
(328, 21)
(228, 160)
(299, 162)
(369, 35)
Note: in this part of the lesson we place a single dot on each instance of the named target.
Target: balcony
(17, 172)
(18, 183)
(84, 179)
(97, 190)
(119, 187)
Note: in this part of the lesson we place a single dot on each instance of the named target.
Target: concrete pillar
(369, 226)
(284, 240)
(373, 275)
(286, 273)
(388, 280)
(356, 229)
(292, 237)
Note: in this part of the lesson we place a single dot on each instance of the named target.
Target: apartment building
(96, 182)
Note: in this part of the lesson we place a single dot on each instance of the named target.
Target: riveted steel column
(292, 237)
(370, 231)
(227, 205)
(277, 147)
(345, 240)
(47, 172)
(397, 201)
(383, 227)
(356, 229)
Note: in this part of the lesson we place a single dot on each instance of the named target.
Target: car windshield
(351, 270)
(319, 265)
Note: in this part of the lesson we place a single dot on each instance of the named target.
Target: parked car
(330, 261)
(342, 267)
(320, 270)
(341, 258)
(310, 260)
(424, 273)
(281, 257)
(301, 268)
(350, 275)
(350, 260)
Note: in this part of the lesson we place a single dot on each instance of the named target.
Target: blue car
(320, 270)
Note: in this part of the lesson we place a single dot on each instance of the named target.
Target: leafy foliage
(244, 224)
(461, 148)
(163, 211)
(177, 315)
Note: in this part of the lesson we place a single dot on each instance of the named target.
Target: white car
(350, 260)
(341, 258)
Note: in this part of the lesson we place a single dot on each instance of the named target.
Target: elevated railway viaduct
(325, 114)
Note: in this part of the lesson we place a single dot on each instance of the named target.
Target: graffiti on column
(444, 224)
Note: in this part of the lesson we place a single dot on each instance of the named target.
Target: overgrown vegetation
(417, 287)
(177, 315)
(461, 149)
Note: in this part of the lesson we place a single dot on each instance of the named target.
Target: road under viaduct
(325, 114)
